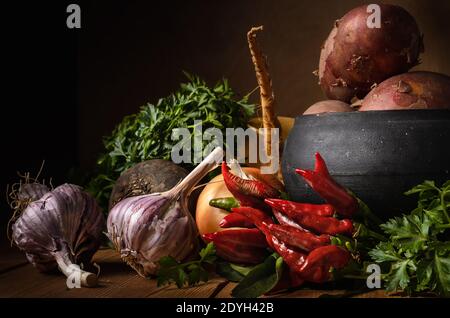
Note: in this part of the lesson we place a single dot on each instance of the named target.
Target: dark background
(65, 89)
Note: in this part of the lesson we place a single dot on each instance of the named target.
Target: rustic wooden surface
(19, 279)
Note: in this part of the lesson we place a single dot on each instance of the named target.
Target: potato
(328, 106)
(415, 90)
(355, 57)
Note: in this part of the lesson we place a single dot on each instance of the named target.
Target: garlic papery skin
(61, 229)
(147, 227)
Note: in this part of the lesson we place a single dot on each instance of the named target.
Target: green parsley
(148, 134)
(189, 273)
(417, 254)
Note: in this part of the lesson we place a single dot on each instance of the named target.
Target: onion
(208, 217)
(147, 227)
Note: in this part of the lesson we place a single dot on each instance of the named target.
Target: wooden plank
(309, 293)
(119, 280)
(116, 280)
(226, 290)
(11, 258)
(204, 290)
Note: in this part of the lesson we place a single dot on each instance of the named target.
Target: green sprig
(189, 273)
(416, 254)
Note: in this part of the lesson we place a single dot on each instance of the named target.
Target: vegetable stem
(66, 266)
(209, 163)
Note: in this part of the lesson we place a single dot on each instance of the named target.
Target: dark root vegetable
(328, 106)
(146, 177)
(415, 90)
(356, 57)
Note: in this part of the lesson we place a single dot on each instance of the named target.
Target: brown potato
(415, 90)
(328, 106)
(355, 57)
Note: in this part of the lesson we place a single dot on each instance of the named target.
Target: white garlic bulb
(147, 227)
(60, 229)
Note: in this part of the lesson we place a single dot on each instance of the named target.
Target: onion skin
(328, 106)
(355, 57)
(415, 90)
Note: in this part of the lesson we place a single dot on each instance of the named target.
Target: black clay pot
(378, 155)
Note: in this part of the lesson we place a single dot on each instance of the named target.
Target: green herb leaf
(415, 253)
(148, 134)
(189, 273)
(261, 279)
(442, 270)
(228, 271)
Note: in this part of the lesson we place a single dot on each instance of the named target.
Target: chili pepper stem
(365, 212)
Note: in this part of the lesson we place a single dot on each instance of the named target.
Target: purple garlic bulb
(60, 229)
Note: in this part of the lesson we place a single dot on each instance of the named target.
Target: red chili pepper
(313, 209)
(248, 192)
(294, 259)
(320, 180)
(258, 217)
(317, 266)
(237, 247)
(289, 279)
(284, 220)
(319, 224)
(249, 237)
(298, 238)
(314, 267)
(236, 220)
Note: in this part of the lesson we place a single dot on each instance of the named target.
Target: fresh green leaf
(148, 134)
(399, 279)
(442, 270)
(415, 253)
(261, 279)
(225, 270)
(189, 273)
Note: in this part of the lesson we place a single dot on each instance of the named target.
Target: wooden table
(19, 279)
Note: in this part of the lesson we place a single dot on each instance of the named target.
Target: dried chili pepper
(224, 203)
(317, 266)
(320, 181)
(258, 217)
(248, 192)
(313, 209)
(236, 220)
(289, 279)
(284, 220)
(249, 237)
(319, 224)
(243, 246)
(294, 237)
(294, 259)
(314, 267)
